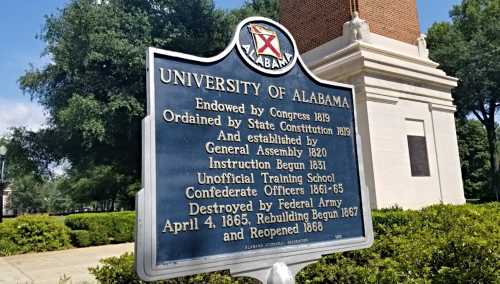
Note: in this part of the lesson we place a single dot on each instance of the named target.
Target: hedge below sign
(440, 244)
(90, 229)
(32, 234)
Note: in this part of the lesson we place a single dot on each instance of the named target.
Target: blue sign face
(248, 154)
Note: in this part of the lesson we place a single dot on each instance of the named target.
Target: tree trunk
(112, 207)
(492, 142)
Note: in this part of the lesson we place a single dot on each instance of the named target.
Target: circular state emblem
(267, 46)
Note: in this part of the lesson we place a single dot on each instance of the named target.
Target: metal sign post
(250, 162)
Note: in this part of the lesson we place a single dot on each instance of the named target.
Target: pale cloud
(20, 114)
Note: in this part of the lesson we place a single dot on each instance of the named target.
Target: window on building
(417, 147)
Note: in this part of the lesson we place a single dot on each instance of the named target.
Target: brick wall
(314, 22)
(396, 19)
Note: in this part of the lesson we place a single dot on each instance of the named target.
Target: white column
(447, 155)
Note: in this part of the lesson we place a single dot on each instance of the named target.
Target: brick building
(7, 207)
(396, 19)
(405, 111)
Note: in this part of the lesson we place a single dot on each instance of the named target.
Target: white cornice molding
(364, 57)
(314, 61)
(381, 98)
(444, 108)
(394, 54)
(433, 106)
(390, 70)
(360, 50)
(392, 93)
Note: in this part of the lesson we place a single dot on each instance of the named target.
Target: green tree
(474, 157)
(27, 195)
(94, 89)
(30, 171)
(32, 195)
(55, 198)
(498, 154)
(28, 153)
(468, 48)
(101, 187)
(263, 8)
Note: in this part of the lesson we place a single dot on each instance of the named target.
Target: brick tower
(396, 19)
(404, 108)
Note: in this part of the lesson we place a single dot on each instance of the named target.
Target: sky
(22, 20)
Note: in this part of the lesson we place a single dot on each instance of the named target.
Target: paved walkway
(50, 267)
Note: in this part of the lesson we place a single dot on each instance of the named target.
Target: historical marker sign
(249, 160)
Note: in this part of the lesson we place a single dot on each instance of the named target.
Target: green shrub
(32, 233)
(103, 228)
(80, 238)
(466, 261)
(116, 270)
(439, 244)
(120, 270)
